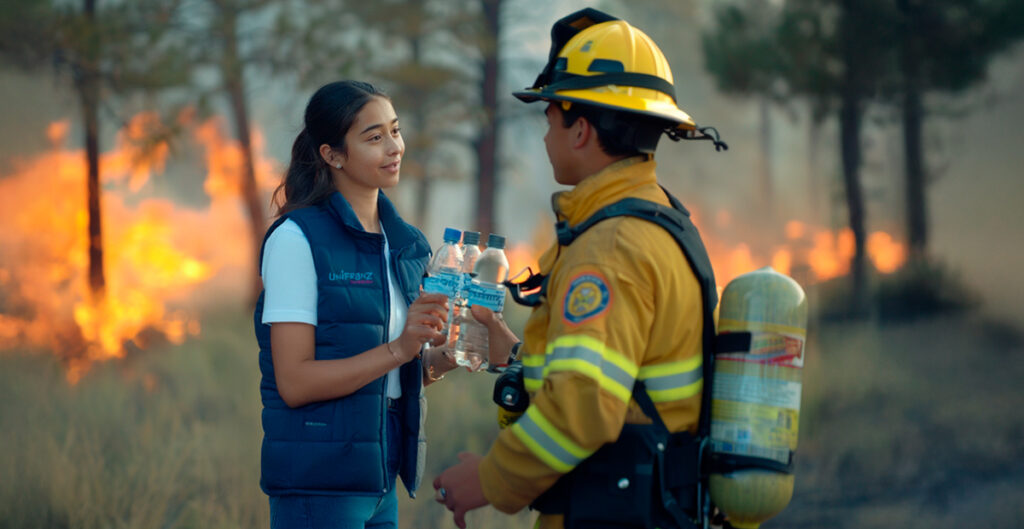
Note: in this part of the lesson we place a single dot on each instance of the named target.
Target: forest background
(874, 150)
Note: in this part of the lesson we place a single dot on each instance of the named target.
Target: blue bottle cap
(496, 241)
(452, 235)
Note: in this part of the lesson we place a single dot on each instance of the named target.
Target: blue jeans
(344, 512)
(334, 512)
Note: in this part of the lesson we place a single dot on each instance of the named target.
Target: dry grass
(170, 438)
(909, 426)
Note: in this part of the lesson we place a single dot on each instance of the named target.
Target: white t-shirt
(289, 282)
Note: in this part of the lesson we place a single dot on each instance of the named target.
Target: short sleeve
(289, 277)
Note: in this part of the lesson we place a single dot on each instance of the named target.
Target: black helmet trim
(570, 81)
(563, 31)
(532, 96)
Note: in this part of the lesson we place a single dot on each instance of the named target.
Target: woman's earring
(337, 165)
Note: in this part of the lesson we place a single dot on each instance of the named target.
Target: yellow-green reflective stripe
(591, 357)
(533, 371)
(673, 380)
(533, 360)
(596, 372)
(684, 392)
(607, 353)
(547, 442)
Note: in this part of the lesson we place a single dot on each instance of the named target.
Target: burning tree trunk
(486, 145)
(234, 85)
(88, 89)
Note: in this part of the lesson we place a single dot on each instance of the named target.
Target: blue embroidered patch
(587, 297)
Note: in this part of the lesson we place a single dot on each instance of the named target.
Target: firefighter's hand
(500, 338)
(458, 488)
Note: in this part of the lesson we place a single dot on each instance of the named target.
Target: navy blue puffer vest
(338, 447)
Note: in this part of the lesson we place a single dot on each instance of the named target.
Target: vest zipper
(385, 281)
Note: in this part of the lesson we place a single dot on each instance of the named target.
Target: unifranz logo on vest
(353, 278)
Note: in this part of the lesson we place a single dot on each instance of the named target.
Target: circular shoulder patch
(588, 296)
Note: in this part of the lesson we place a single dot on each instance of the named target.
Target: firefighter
(620, 303)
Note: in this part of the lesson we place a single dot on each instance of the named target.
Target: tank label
(755, 398)
(757, 390)
(772, 349)
(754, 430)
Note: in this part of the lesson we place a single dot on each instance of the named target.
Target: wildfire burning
(810, 254)
(156, 253)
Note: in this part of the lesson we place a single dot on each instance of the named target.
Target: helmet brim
(681, 119)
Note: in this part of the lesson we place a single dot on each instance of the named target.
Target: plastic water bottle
(444, 273)
(470, 252)
(485, 289)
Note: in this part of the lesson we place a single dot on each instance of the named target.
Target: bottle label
(492, 297)
(443, 283)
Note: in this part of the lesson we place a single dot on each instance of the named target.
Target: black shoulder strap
(676, 220)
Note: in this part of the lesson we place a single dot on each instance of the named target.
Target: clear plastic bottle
(485, 289)
(470, 253)
(444, 273)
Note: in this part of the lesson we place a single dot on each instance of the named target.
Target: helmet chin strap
(706, 133)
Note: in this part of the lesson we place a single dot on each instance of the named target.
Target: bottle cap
(470, 237)
(452, 235)
(496, 241)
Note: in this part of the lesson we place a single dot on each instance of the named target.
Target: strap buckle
(528, 292)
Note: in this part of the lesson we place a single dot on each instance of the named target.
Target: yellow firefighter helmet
(602, 61)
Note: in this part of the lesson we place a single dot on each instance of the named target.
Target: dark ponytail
(329, 114)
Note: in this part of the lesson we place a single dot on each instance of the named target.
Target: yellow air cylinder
(755, 405)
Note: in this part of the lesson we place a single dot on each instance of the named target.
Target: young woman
(341, 323)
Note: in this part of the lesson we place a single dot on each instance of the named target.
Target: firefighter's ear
(581, 131)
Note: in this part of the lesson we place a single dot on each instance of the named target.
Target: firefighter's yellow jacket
(622, 304)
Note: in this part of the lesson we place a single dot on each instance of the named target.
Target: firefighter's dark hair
(619, 133)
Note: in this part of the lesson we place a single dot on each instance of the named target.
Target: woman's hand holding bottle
(423, 323)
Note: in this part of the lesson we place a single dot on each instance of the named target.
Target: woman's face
(374, 148)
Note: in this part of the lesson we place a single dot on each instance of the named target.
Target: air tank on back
(755, 406)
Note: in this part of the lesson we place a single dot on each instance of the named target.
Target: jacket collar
(399, 233)
(615, 182)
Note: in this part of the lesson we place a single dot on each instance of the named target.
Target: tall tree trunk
(486, 145)
(849, 126)
(913, 116)
(234, 84)
(89, 95)
(765, 173)
(813, 181)
(424, 184)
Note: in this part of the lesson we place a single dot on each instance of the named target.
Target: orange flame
(156, 253)
(810, 254)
